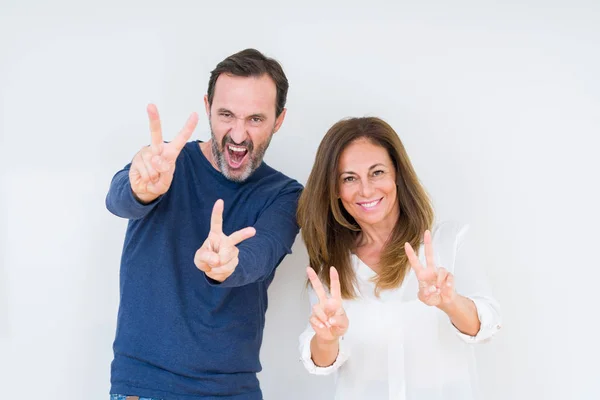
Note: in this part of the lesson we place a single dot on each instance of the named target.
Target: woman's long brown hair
(330, 233)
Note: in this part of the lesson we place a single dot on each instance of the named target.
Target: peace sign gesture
(436, 285)
(152, 168)
(328, 319)
(218, 256)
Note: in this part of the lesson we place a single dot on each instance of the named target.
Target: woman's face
(367, 183)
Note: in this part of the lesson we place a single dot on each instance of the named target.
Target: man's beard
(255, 157)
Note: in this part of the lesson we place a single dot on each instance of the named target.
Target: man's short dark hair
(251, 62)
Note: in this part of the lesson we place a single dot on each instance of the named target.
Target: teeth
(371, 204)
(237, 149)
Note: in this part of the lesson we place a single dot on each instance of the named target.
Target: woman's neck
(376, 236)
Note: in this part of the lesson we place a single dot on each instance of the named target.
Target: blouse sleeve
(471, 281)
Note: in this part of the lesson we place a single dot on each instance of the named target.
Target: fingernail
(332, 321)
(321, 326)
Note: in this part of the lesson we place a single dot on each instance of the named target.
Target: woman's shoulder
(449, 231)
(447, 238)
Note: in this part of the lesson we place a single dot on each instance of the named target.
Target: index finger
(155, 129)
(186, 133)
(334, 279)
(216, 219)
(316, 284)
(412, 258)
(428, 250)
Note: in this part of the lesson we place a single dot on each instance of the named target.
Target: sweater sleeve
(276, 231)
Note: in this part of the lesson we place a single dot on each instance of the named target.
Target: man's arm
(256, 257)
(136, 189)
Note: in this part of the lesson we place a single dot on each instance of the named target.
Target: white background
(498, 104)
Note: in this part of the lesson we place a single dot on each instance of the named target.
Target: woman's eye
(349, 179)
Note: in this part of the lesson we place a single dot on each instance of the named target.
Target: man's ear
(279, 120)
(207, 106)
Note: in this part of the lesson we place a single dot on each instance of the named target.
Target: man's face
(242, 122)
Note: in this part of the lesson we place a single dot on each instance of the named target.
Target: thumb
(161, 164)
(206, 259)
(331, 307)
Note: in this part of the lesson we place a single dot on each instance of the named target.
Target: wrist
(449, 307)
(144, 199)
(219, 278)
(325, 343)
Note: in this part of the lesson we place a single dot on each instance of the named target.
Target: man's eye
(256, 120)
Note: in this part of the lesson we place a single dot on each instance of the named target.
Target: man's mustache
(246, 143)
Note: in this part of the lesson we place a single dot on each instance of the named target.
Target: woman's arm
(324, 352)
(463, 314)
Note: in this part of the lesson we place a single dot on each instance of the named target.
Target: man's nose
(238, 131)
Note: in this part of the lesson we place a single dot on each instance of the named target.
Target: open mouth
(236, 155)
(370, 205)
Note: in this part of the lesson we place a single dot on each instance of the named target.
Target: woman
(395, 325)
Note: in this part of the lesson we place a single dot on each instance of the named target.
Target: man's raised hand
(152, 168)
(218, 256)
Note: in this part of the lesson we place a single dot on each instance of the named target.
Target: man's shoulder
(192, 149)
(272, 177)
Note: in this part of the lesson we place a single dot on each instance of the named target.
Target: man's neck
(206, 149)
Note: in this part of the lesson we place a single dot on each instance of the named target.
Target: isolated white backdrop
(498, 105)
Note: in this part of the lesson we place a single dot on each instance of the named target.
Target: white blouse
(398, 348)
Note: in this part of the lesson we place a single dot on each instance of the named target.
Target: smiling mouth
(369, 205)
(236, 155)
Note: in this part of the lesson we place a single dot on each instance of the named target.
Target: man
(209, 223)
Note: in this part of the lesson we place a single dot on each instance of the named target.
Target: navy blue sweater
(181, 335)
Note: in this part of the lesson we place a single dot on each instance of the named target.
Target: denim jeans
(123, 397)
